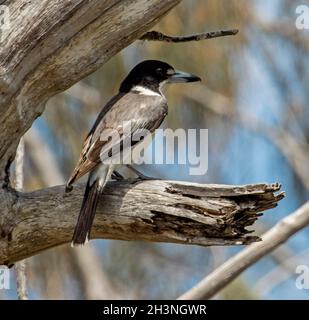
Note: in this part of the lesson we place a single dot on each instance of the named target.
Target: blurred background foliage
(253, 99)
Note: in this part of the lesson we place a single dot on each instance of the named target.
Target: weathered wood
(156, 210)
(50, 45)
(159, 36)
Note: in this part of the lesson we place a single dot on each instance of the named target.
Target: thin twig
(20, 267)
(227, 272)
(158, 36)
(21, 280)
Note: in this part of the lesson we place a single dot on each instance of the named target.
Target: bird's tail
(87, 212)
(95, 185)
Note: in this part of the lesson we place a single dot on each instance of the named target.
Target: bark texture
(161, 211)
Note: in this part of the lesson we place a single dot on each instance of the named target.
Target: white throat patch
(145, 91)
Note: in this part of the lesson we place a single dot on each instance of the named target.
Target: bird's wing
(127, 116)
(84, 165)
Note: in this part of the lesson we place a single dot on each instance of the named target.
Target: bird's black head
(152, 74)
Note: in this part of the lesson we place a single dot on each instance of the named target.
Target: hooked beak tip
(198, 79)
(181, 77)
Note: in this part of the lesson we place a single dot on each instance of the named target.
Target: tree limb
(227, 272)
(162, 211)
(158, 36)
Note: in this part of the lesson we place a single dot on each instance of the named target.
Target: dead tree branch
(161, 211)
(227, 272)
(158, 36)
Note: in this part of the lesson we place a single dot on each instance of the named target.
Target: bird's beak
(179, 77)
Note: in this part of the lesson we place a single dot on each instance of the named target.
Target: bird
(141, 103)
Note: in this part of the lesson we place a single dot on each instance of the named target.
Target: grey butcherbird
(139, 101)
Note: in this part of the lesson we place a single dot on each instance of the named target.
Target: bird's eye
(159, 71)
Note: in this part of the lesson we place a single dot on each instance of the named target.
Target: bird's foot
(68, 188)
(117, 176)
(140, 176)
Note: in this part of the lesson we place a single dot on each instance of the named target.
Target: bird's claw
(117, 176)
